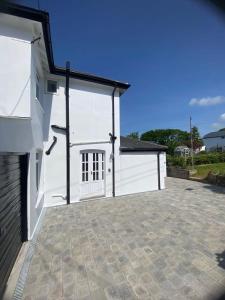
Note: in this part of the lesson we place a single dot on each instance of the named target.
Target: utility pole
(192, 151)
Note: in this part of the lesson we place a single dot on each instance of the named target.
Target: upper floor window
(52, 86)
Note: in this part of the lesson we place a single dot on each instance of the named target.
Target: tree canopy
(169, 137)
(133, 135)
(197, 141)
(173, 138)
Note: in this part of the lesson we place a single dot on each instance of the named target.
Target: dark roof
(43, 17)
(214, 134)
(132, 145)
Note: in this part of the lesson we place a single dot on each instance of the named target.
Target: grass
(203, 170)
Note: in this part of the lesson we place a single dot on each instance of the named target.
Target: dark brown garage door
(13, 186)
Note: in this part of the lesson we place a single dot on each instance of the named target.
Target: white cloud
(222, 117)
(217, 125)
(207, 101)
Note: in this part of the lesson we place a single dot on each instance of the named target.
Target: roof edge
(92, 78)
(130, 145)
(142, 150)
(43, 17)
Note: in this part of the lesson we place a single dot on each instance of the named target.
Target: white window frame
(93, 165)
(85, 167)
(57, 86)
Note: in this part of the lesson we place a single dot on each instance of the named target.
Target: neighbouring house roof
(214, 134)
(43, 18)
(132, 145)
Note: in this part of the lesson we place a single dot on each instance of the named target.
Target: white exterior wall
(14, 69)
(90, 125)
(21, 116)
(139, 172)
(25, 126)
(163, 172)
(213, 143)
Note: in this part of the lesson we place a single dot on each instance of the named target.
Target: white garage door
(138, 172)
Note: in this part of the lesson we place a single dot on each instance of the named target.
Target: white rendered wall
(163, 172)
(214, 143)
(139, 172)
(21, 116)
(90, 125)
(14, 69)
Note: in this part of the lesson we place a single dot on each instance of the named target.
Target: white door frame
(91, 181)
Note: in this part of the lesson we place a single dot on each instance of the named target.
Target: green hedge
(175, 161)
(199, 159)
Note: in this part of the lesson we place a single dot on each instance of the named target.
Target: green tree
(133, 135)
(197, 141)
(169, 137)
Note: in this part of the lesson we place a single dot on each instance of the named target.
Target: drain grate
(18, 293)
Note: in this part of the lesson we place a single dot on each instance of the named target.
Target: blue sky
(171, 52)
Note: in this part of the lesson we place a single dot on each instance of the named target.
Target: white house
(41, 137)
(214, 141)
(182, 151)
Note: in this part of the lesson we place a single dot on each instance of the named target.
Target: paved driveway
(160, 245)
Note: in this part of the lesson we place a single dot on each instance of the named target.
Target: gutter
(141, 150)
(158, 168)
(67, 133)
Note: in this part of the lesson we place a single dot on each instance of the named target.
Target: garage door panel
(10, 172)
(7, 179)
(13, 239)
(7, 194)
(8, 206)
(9, 186)
(12, 175)
(10, 166)
(138, 172)
(7, 261)
(8, 216)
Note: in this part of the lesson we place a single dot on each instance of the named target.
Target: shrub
(199, 159)
(176, 161)
(209, 158)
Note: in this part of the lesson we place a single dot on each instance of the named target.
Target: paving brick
(156, 245)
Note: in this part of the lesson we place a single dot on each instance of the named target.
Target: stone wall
(177, 172)
(215, 179)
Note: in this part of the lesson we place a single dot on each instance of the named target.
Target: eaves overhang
(43, 17)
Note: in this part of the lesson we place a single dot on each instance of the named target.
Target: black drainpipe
(67, 133)
(158, 166)
(113, 138)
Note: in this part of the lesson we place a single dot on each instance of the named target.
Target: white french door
(92, 174)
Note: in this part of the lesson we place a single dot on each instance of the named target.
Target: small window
(37, 91)
(52, 86)
(37, 87)
(38, 169)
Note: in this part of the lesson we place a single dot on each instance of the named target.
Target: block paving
(167, 244)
